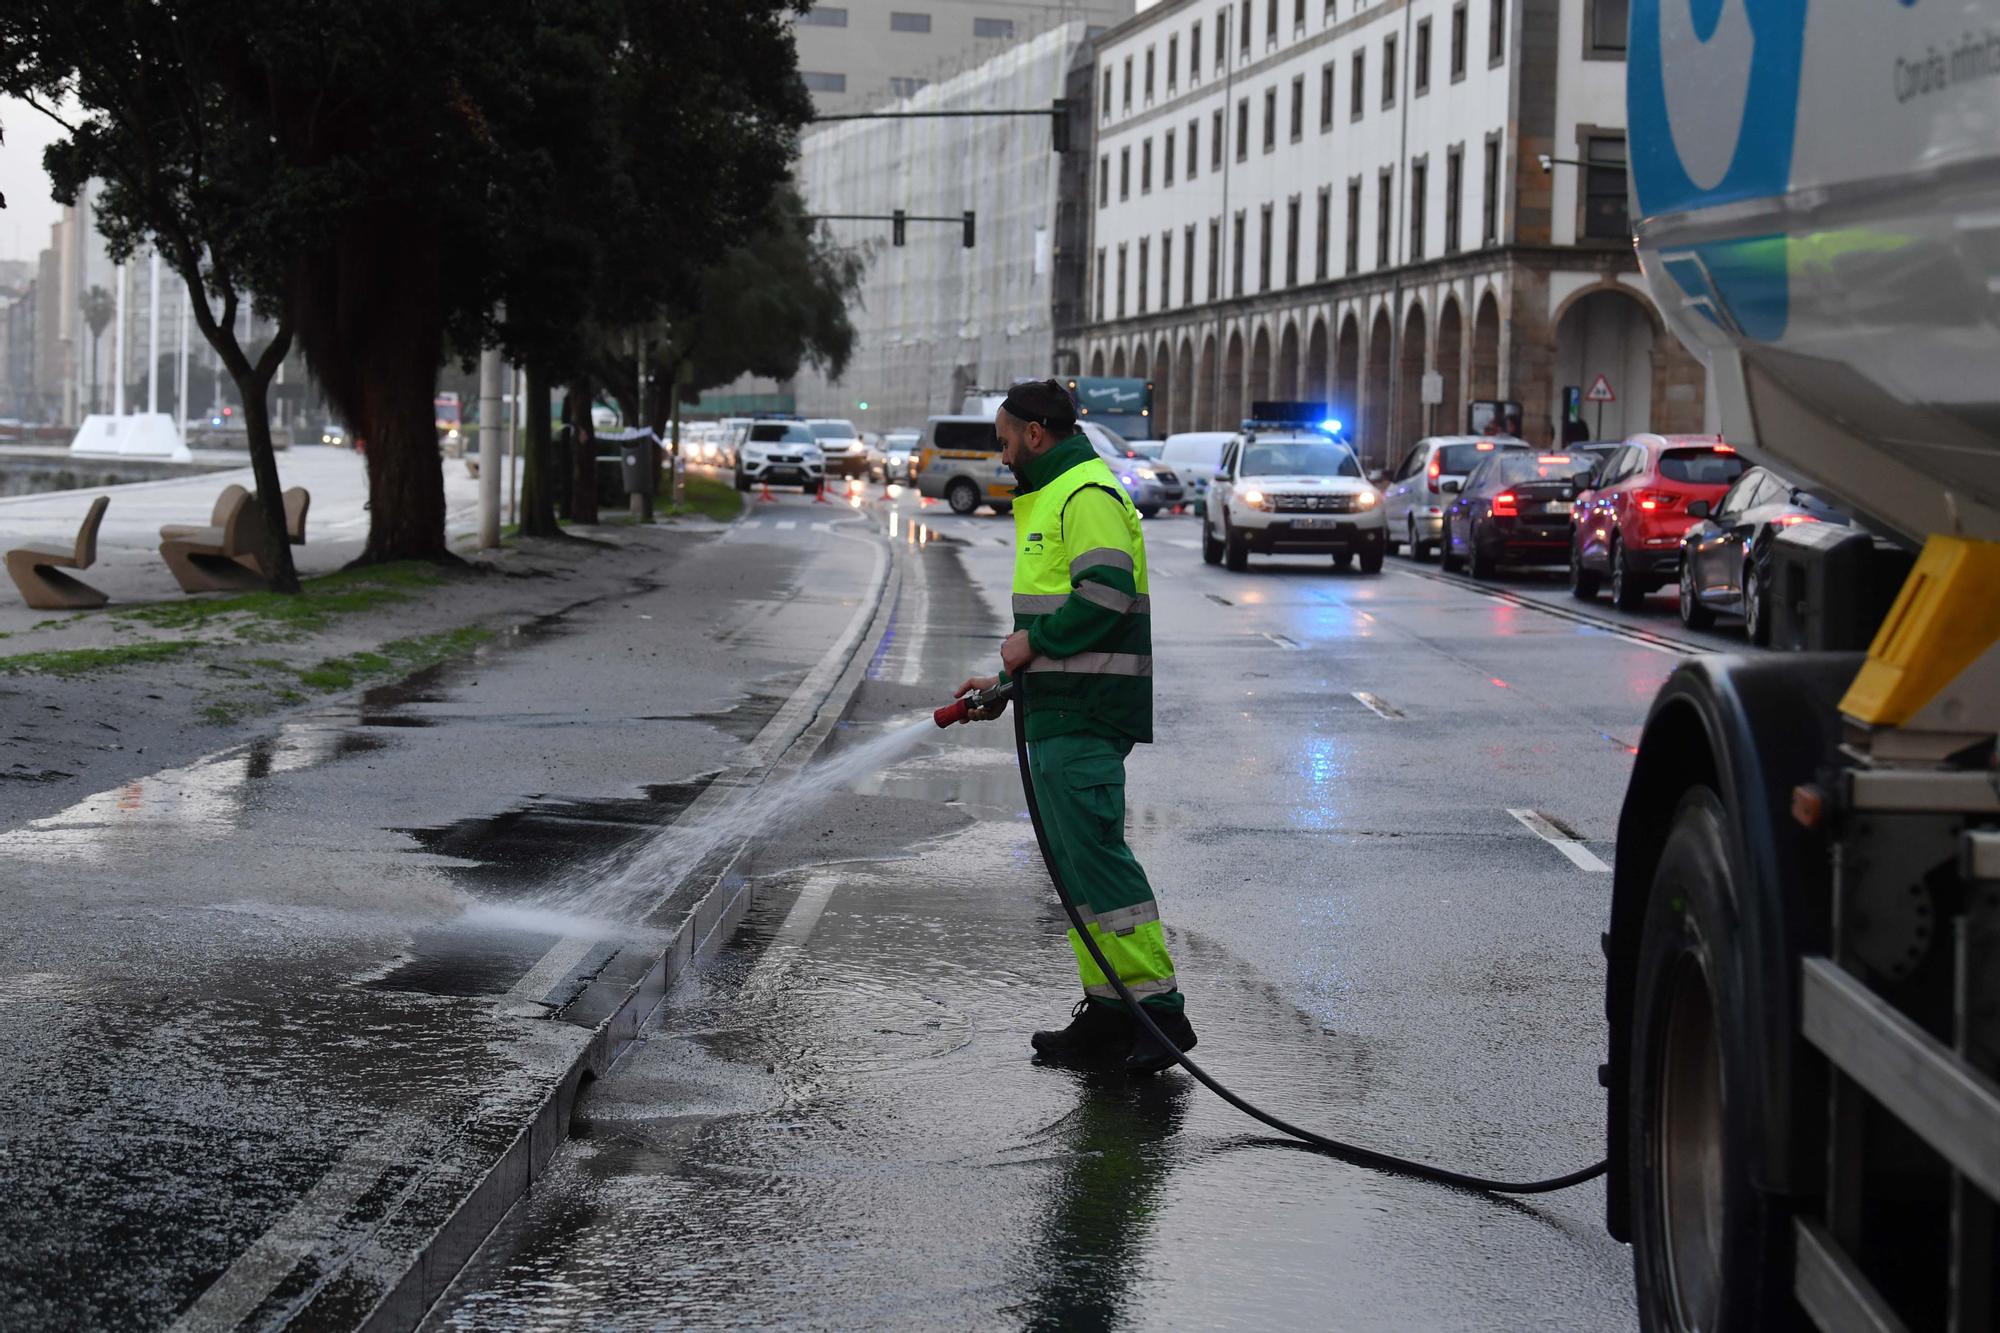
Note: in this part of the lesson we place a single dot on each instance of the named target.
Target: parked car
(1194, 456)
(779, 453)
(959, 463)
(1513, 508)
(1413, 497)
(1726, 553)
(1152, 486)
(1292, 491)
(840, 444)
(1628, 526)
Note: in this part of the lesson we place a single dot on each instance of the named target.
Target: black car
(1726, 557)
(1513, 507)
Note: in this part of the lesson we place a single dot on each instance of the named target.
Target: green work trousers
(1080, 788)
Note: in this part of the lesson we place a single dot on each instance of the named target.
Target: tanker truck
(1803, 980)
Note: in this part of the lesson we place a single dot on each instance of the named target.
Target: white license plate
(1556, 507)
(1314, 523)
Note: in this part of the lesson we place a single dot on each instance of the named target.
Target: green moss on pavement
(77, 661)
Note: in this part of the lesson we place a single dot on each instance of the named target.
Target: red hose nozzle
(956, 711)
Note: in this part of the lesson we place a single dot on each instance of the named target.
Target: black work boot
(1149, 1055)
(1097, 1034)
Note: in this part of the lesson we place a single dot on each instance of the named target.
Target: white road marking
(1184, 544)
(1282, 641)
(1378, 706)
(787, 524)
(791, 936)
(1538, 824)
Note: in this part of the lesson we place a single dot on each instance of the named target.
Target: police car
(1290, 486)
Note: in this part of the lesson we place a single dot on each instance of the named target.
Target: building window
(1326, 96)
(1298, 15)
(1323, 234)
(1100, 284)
(824, 83)
(1353, 227)
(1420, 179)
(1215, 142)
(1145, 271)
(1422, 73)
(1496, 31)
(1121, 282)
(1604, 211)
(824, 16)
(1245, 26)
(1146, 167)
(1454, 191)
(1167, 162)
(1149, 76)
(1124, 174)
(1000, 28)
(1166, 270)
(1489, 207)
(1243, 129)
(1194, 147)
(1264, 247)
(1270, 119)
(1221, 39)
(1173, 63)
(1357, 81)
(1126, 101)
(1187, 264)
(1107, 94)
(1298, 108)
(1458, 41)
(900, 22)
(1385, 195)
(1389, 70)
(1604, 30)
(907, 87)
(1104, 180)
(1270, 23)
(1292, 241)
(1214, 258)
(1236, 258)
(1194, 52)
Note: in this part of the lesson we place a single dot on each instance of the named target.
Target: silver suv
(840, 445)
(779, 453)
(1413, 498)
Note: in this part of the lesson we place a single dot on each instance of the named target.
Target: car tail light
(1652, 500)
(1437, 467)
(1506, 505)
(1793, 520)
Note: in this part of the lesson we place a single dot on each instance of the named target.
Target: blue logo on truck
(1712, 99)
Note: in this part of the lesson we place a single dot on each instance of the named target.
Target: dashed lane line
(1544, 828)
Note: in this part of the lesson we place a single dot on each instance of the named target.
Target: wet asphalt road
(835, 1123)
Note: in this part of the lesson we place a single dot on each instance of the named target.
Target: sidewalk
(275, 1019)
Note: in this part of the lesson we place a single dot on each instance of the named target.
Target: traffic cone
(764, 495)
(819, 496)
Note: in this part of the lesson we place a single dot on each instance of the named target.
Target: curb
(616, 1003)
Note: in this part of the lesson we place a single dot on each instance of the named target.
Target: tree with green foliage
(156, 121)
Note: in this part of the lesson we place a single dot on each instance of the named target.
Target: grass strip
(78, 661)
(321, 598)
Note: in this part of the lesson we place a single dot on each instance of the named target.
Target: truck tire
(962, 496)
(1709, 1251)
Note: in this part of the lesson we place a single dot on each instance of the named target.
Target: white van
(1195, 455)
(958, 461)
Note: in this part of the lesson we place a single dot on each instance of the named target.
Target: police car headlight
(1366, 500)
(1256, 499)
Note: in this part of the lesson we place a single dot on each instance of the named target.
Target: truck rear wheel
(1709, 1251)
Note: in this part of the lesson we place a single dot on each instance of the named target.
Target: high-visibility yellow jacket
(1080, 592)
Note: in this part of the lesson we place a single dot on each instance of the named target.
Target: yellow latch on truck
(1946, 616)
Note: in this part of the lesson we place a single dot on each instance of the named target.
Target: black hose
(1346, 1152)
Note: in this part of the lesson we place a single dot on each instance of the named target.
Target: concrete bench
(222, 557)
(37, 570)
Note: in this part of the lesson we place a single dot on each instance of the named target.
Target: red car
(1628, 526)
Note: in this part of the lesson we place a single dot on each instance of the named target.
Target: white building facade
(1345, 200)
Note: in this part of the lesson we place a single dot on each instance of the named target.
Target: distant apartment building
(935, 318)
(1347, 200)
(862, 53)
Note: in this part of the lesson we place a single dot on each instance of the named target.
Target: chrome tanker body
(1803, 981)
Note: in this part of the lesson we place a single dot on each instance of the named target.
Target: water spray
(1016, 690)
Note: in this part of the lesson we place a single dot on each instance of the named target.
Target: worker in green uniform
(1083, 642)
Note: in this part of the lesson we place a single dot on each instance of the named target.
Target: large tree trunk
(583, 454)
(276, 558)
(405, 473)
(538, 509)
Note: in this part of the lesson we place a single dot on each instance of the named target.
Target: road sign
(1600, 391)
(1433, 387)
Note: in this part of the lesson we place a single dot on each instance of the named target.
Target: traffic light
(896, 221)
(968, 228)
(1059, 125)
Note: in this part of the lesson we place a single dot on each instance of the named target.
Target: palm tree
(98, 308)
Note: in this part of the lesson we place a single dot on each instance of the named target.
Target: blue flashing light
(1331, 425)
(1126, 478)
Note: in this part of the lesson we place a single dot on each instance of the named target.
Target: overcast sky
(24, 226)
